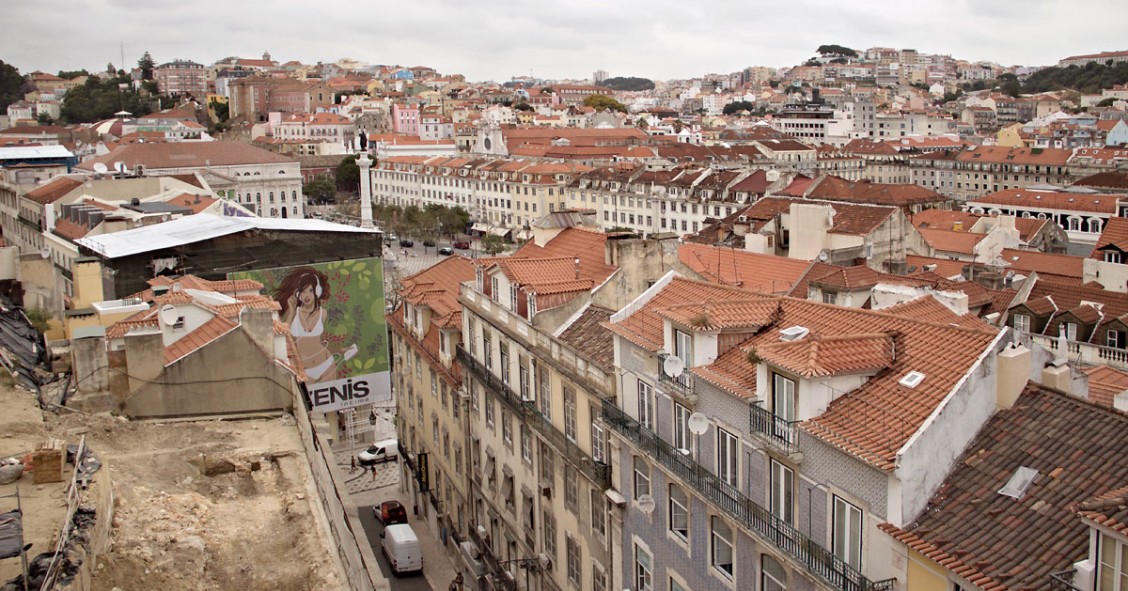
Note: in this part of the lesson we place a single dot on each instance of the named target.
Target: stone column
(364, 162)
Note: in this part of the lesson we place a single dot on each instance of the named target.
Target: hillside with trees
(13, 85)
(628, 84)
(99, 99)
(1088, 79)
(602, 102)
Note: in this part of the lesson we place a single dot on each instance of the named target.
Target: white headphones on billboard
(316, 286)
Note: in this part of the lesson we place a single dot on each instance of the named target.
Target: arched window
(1074, 223)
(270, 197)
(1095, 225)
(773, 577)
(258, 197)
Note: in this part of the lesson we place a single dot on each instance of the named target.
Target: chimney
(1013, 374)
(577, 261)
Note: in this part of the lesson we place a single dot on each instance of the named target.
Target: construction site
(189, 505)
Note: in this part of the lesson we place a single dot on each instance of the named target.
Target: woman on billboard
(301, 295)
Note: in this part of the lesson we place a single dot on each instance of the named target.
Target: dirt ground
(203, 505)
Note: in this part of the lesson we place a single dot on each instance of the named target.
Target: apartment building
(499, 194)
(756, 444)
(1082, 214)
(432, 407)
(182, 77)
(980, 170)
(327, 127)
(538, 370)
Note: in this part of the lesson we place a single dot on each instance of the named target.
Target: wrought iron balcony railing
(776, 431)
(817, 559)
(526, 411)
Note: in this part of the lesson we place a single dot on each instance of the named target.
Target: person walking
(352, 469)
(373, 472)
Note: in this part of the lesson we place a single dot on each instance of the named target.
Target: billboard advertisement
(335, 312)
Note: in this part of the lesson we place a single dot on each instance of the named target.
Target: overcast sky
(498, 39)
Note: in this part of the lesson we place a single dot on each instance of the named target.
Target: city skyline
(663, 40)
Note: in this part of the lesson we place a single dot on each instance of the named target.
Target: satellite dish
(100, 168)
(698, 423)
(119, 166)
(822, 256)
(646, 504)
(673, 366)
(169, 314)
(45, 252)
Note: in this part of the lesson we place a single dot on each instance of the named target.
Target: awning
(500, 231)
(479, 227)
(524, 235)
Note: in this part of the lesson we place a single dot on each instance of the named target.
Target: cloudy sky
(498, 39)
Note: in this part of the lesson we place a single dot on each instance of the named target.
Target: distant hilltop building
(1115, 57)
(599, 76)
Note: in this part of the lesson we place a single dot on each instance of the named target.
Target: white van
(379, 452)
(401, 548)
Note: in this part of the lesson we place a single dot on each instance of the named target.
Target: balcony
(681, 386)
(1087, 353)
(781, 434)
(527, 413)
(790, 541)
(1063, 581)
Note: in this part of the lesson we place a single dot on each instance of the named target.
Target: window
(772, 575)
(1112, 564)
(681, 427)
(526, 445)
(598, 513)
(598, 578)
(679, 512)
(846, 536)
(572, 549)
(523, 381)
(489, 412)
(1070, 330)
(544, 400)
(683, 347)
(570, 413)
(550, 535)
(646, 405)
(506, 428)
(643, 578)
(720, 554)
(1111, 256)
(1021, 323)
(547, 470)
(493, 289)
(597, 445)
(783, 397)
(726, 456)
(571, 488)
(829, 297)
(641, 477)
(513, 298)
(487, 350)
(1113, 339)
(675, 585)
(782, 491)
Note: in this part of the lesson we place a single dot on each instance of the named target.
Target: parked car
(390, 512)
(401, 547)
(390, 239)
(428, 242)
(462, 244)
(379, 453)
(407, 242)
(446, 251)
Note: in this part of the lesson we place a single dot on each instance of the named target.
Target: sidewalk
(438, 566)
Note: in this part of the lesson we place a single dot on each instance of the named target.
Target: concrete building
(182, 77)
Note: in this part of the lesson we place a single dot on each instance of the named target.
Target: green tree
(1106, 102)
(738, 106)
(630, 84)
(100, 99)
(493, 244)
(13, 85)
(348, 175)
(146, 64)
(523, 106)
(320, 190)
(72, 74)
(1009, 84)
(836, 50)
(602, 102)
(39, 318)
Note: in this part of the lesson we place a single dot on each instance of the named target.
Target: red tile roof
(816, 356)
(53, 190)
(755, 272)
(716, 315)
(838, 189)
(1055, 200)
(1004, 155)
(951, 241)
(1115, 234)
(1109, 510)
(850, 422)
(1105, 383)
(588, 335)
(1002, 543)
(1054, 264)
(929, 309)
(193, 341)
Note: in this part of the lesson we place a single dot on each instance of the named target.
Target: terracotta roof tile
(929, 309)
(1105, 383)
(817, 356)
(1054, 200)
(951, 241)
(193, 341)
(589, 336)
(1114, 235)
(53, 190)
(1008, 543)
(1108, 510)
(715, 315)
(1044, 262)
(895, 195)
(754, 272)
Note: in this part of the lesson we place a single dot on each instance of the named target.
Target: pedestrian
(352, 469)
(456, 584)
(373, 472)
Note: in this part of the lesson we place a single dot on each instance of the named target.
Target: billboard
(335, 312)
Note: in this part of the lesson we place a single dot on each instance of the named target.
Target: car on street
(446, 251)
(428, 242)
(406, 242)
(390, 239)
(390, 512)
(462, 244)
(379, 453)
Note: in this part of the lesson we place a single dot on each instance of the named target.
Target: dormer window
(493, 288)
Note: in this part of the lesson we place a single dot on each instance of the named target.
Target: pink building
(405, 119)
